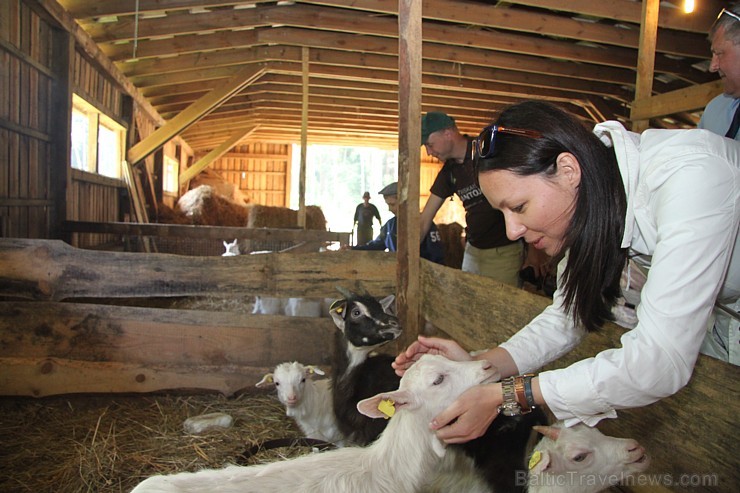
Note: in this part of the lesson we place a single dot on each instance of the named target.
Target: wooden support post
(60, 173)
(194, 112)
(216, 153)
(646, 57)
(409, 138)
(304, 140)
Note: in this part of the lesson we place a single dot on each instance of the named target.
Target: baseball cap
(366, 195)
(433, 121)
(391, 189)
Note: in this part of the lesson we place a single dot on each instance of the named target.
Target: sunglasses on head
(485, 143)
(730, 13)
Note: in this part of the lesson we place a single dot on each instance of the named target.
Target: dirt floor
(103, 444)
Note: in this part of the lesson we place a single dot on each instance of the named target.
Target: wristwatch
(510, 406)
(517, 395)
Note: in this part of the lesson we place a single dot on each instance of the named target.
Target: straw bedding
(110, 443)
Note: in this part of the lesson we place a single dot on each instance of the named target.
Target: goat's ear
(337, 313)
(388, 304)
(314, 369)
(401, 399)
(266, 380)
(539, 462)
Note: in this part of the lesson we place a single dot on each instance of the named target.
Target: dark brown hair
(590, 283)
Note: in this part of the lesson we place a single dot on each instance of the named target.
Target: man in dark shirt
(364, 214)
(431, 248)
(488, 251)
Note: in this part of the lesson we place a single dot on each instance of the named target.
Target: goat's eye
(580, 457)
(356, 313)
(439, 380)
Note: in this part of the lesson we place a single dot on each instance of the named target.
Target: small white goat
(306, 400)
(566, 460)
(399, 461)
(232, 249)
(581, 459)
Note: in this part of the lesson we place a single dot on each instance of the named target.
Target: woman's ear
(569, 169)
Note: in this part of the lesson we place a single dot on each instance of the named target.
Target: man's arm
(427, 215)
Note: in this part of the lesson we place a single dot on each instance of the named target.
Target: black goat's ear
(337, 311)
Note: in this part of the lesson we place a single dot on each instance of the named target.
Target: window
(171, 167)
(97, 140)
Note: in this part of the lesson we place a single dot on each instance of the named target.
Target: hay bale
(265, 216)
(204, 206)
(222, 186)
(168, 215)
(452, 239)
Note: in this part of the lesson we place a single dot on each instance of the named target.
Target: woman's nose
(514, 229)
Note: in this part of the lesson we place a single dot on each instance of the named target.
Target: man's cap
(433, 121)
(391, 189)
(366, 195)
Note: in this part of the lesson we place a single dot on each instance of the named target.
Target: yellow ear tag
(535, 459)
(387, 407)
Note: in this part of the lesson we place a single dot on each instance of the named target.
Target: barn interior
(114, 291)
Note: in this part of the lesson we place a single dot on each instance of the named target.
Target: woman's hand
(432, 345)
(470, 415)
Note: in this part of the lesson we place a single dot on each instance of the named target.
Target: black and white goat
(306, 400)
(364, 324)
(400, 461)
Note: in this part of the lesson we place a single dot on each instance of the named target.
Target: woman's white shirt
(683, 191)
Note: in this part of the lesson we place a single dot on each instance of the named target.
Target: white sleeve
(696, 217)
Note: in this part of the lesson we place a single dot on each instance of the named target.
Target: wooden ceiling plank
(216, 153)
(193, 113)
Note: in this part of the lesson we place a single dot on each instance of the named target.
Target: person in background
(431, 247)
(364, 214)
(488, 251)
(722, 114)
(671, 197)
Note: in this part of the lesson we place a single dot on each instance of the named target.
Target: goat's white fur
(398, 462)
(232, 249)
(306, 400)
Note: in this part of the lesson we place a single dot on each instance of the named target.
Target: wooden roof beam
(216, 153)
(194, 112)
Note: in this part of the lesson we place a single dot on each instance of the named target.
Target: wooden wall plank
(155, 336)
(53, 270)
(40, 377)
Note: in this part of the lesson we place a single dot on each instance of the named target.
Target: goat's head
(365, 321)
(232, 249)
(582, 451)
(290, 381)
(429, 386)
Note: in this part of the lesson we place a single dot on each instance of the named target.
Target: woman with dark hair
(599, 197)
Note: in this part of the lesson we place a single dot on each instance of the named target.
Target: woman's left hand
(470, 415)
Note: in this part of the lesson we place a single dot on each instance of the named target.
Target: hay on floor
(110, 443)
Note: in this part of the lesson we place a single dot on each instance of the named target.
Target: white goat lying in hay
(399, 461)
(306, 400)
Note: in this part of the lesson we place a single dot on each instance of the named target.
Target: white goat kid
(232, 249)
(306, 400)
(582, 460)
(399, 461)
